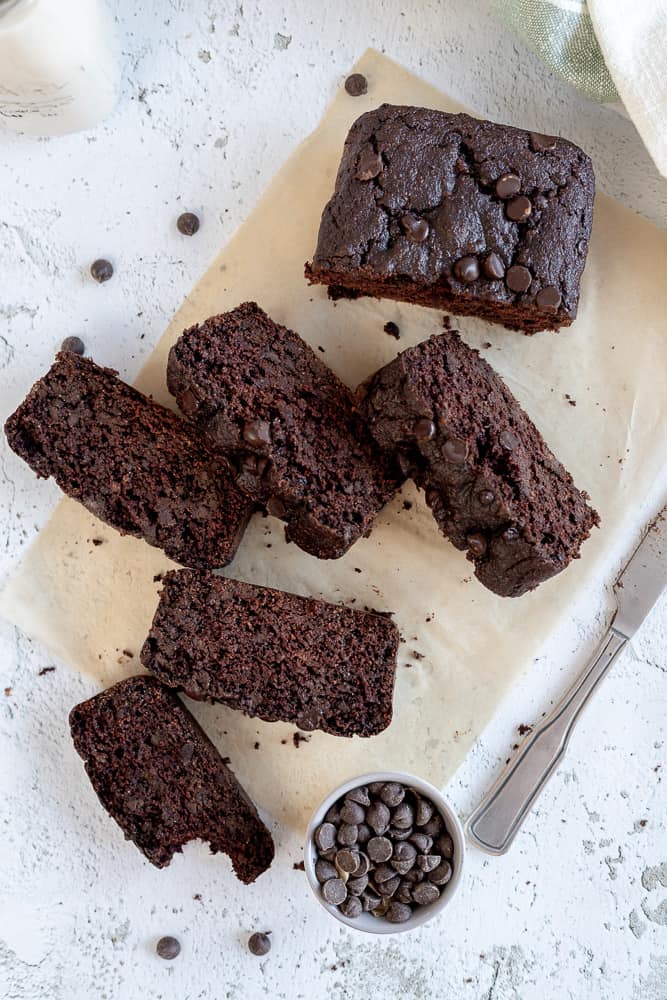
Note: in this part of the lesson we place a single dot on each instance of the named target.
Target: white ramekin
(367, 922)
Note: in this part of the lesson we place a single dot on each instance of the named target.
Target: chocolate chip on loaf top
(129, 461)
(495, 488)
(274, 655)
(260, 395)
(459, 214)
(159, 776)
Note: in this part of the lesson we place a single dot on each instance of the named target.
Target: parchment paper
(90, 603)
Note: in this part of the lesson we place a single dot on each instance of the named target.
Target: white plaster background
(215, 97)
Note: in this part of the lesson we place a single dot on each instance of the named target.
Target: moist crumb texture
(273, 655)
(459, 214)
(159, 776)
(493, 485)
(130, 462)
(261, 395)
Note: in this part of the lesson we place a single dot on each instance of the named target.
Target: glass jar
(59, 66)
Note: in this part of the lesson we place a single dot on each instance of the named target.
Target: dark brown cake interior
(129, 461)
(274, 655)
(261, 395)
(162, 780)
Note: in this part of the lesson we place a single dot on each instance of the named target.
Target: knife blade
(498, 818)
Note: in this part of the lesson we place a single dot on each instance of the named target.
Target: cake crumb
(392, 329)
(298, 739)
(487, 344)
(45, 670)
(417, 655)
(256, 745)
(407, 505)
(8, 692)
(97, 541)
(197, 897)
(299, 866)
(128, 653)
(524, 728)
(158, 578)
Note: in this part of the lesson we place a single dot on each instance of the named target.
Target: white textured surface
(579, 907)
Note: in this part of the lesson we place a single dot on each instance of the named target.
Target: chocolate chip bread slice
(495, 488)
(259, 394)
(129, 461)
(458, 214)
(274, 655)
(159, 776)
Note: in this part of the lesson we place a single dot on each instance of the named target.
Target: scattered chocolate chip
(398, 913)
(519, 208)
(364, 834)
(404, 857)
(392, 329)
(325, 836)
(442, 874)
(428, 862)
(445, 845)
(357, 884)
(542, 143)
(359, 795)
(389, 887)
(422, 842)
(356, 85)
(379, 849)
(455, 450)
(508, 440)
(377, 817)
(259, 943)
(347, 834)
(518, 278)
(425, 893)
(346, 861)
(466, 269)
(423, 812)
(168, 948)
(363, 865)
(187, 223)
(257, 432)
(332, 815)
(370, 899)
(369, 165)
(508, 185)
(486, 497)
(493, 267)
(352, 812)
(101, 270)
(415, 229)
(403, 816)
(423, 430)
(548, 297)
(324, 870)
(73, 345)
(334, 891)
(351, 907)
(476, 544)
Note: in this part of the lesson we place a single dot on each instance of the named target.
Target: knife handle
(499, 816)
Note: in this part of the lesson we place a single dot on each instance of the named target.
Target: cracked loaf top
(460, 214)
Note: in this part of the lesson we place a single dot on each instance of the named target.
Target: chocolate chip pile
(383, 849)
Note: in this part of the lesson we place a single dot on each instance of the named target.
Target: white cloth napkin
(633, 40)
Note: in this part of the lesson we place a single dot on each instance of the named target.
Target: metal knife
(498, 818)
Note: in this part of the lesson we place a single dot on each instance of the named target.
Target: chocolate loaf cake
(131, 462)
(274, 655)
(459, 214)
(159, 776)
(261, 396)
(494, 487)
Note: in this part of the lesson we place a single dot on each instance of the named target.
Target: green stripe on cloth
(561, 33)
